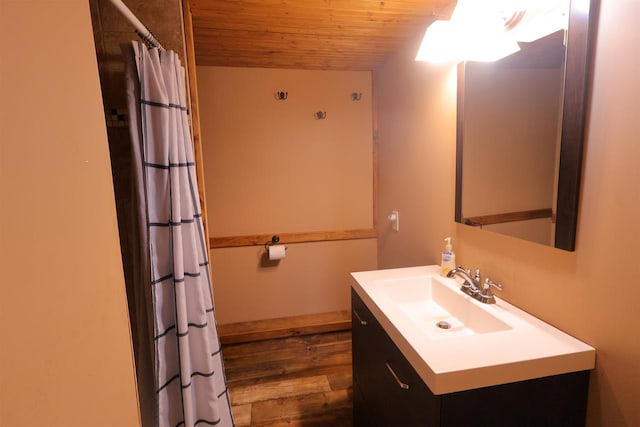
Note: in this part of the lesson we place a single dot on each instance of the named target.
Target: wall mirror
(520, 131)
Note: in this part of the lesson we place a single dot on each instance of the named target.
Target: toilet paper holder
(274, 240)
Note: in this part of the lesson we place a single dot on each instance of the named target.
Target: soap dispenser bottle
(448, 258)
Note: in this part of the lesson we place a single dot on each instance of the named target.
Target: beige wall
(313, 278)
(589, 292)
(270, 168)
(66, 356)
(416, 129)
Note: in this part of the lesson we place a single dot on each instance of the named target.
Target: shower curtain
(178, 360)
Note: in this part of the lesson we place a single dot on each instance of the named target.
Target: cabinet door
(391, 391)
(361, 416)
(368, 408)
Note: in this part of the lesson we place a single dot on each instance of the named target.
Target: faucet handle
(486, 295)
(477, 277)
(488, 283)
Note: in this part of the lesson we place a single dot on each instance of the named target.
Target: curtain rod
(140, 28)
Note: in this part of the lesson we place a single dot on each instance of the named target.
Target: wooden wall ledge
(312, 236)
(508, 217)
(257, 330)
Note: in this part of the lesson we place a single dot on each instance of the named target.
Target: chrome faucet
(471, 285)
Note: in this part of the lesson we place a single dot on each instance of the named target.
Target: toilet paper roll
(277, 252)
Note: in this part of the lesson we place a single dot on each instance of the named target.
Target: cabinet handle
(362, 322)
(402, 385)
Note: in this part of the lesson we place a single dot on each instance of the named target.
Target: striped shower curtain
(188, 386)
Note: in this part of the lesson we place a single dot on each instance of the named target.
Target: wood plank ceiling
(308, 34)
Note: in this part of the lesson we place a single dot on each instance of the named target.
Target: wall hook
(281, 95)
(321, 115)
(356, 96)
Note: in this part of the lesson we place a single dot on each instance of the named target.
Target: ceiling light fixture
(440, 44)
(491, 29)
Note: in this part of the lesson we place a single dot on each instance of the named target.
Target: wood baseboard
(257, 330)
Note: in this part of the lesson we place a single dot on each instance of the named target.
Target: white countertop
(529, 348)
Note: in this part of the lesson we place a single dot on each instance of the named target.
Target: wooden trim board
(257, 330)
(312, 236)
(194, 109)
(508, 217)
(375, 148)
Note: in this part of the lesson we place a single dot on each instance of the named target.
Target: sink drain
(443, 324)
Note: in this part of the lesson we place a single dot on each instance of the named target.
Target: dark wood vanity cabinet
(388, 392)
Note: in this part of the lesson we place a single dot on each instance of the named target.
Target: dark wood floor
(297, 381)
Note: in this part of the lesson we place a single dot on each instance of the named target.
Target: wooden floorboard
(307, 407)
(295, 381)
(242, 414)
(274, 390)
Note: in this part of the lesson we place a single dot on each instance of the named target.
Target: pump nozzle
(448, 246)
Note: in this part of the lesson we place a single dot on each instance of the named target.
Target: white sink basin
(485, 345)
(440, 311)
